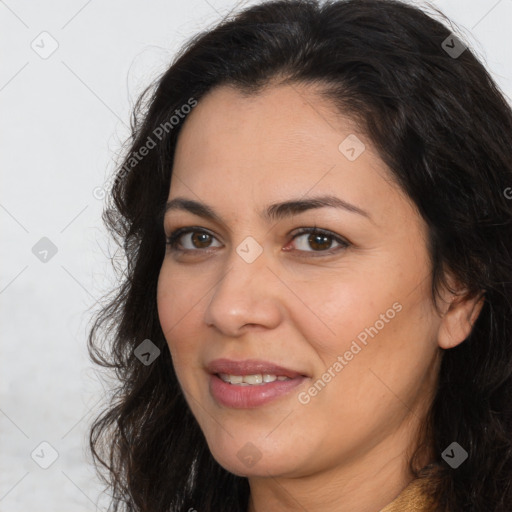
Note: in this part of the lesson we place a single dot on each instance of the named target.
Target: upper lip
(250, 367)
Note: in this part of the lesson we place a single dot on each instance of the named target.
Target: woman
(316, 311)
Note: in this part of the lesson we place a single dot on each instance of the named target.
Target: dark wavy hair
(441, 125)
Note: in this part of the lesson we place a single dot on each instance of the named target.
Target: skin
(348, 448)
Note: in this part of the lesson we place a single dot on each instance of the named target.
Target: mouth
(250, 383)
(251, 368)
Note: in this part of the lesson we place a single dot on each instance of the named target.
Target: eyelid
(343, 243)
(176, 234)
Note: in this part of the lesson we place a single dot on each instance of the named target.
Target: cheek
(383, 333)
(177, 297)
(180, 311)
(172, 306)
(165, 302)
(340, 308)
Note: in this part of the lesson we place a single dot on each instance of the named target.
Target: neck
(365, 483)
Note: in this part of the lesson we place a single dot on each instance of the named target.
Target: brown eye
(318, 241)
(190, 240)
(200, 240)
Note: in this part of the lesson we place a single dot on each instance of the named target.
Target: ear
(458, 319)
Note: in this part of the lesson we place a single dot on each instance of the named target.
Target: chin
(249, 461)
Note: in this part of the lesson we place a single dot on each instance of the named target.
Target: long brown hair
(445, 130)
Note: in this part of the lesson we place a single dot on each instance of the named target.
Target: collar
(414, 498)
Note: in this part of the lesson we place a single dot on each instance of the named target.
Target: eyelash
(173, 240)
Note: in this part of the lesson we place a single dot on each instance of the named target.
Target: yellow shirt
(412, 499)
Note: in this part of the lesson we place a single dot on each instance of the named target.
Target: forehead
(284, 142)
(292, 115)
(284, 131)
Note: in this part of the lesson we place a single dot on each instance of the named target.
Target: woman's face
(349, 310)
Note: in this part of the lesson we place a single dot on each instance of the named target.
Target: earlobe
(458, 320)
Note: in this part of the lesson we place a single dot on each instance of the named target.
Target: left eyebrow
(273, 212)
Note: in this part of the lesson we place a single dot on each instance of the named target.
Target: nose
(248, 294)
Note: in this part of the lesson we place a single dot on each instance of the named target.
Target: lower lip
(246, 397)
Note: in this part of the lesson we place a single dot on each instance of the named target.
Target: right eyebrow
(273, 212)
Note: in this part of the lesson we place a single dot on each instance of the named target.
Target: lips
(250, 367)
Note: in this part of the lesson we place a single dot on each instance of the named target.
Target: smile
(243, 395)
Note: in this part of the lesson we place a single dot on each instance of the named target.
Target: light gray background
(63, 119)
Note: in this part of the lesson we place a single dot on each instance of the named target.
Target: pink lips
(247, 397)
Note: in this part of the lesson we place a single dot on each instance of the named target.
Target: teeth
(251, 380)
